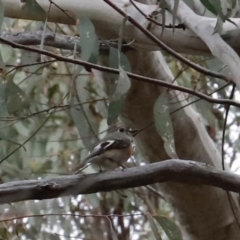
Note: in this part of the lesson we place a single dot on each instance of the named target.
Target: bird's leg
(100, 169)
(120, 165)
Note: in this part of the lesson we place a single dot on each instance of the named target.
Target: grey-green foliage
(163, 124)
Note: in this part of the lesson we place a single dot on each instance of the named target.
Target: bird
(111, 152)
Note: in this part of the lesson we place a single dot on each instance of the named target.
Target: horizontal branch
(89, 65)
(181, 171)
(67, 42)
(51, 39)
(165, 47)
(182, 41)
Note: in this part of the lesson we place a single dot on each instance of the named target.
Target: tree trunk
(204, 212)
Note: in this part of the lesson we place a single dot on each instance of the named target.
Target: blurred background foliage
(40, 129)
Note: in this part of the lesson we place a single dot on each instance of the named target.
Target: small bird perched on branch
(111, 152)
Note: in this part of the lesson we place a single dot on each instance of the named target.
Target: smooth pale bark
(107, 22)
(218, 47)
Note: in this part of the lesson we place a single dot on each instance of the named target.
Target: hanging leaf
(210, 7)
(163, 7)
(33, 7)
(154, 226)
(82, 117)
(2, 98)
(2, 65)
(219, 25)
(89, 40)
(1, 14)
(7, 139)
(15, 99)
(169, 227)
(114, 62)
(28, 57)
(163, 124)
(123, 84)
(118, 98)
(220, 9)
(175, 8)
(113, 233)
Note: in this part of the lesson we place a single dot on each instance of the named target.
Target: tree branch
(201, 27)
(131, 75)
(181, 171)
(50, 39)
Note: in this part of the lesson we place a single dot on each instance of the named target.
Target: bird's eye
(121, 130)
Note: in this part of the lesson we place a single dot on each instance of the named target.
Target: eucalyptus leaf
(2, 98)
(163, 7)
(2, 64)
(6, 138)
(82, 117)
(169, 227)
(163, 124)
(175, 8)
(118, 98)
(153, 226)
(33, 7)
(219, 25)
(15, 99)
(81, 122)
(114, 60)
(89, 40)
(28, 58)
(218, 8)
(114, 235)
(209, 6)
(1, 14)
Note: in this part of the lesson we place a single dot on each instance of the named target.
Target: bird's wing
(108, 145)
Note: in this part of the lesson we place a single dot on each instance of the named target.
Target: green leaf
(220, 9)
(114, 235)
(118, 98)
(114, 62)
(89, 40)
(28, 58)
(163, 7)
(2, 65)
(2, 98)
(1, 14)
(52, 90)
(8, 54)
(209, 6)
(15, 99)
(154, 226)
(5, 138)
(219, 25)
(33, 7)
(169, 227)
(163, 124)
(175, 8)
(82, 117)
